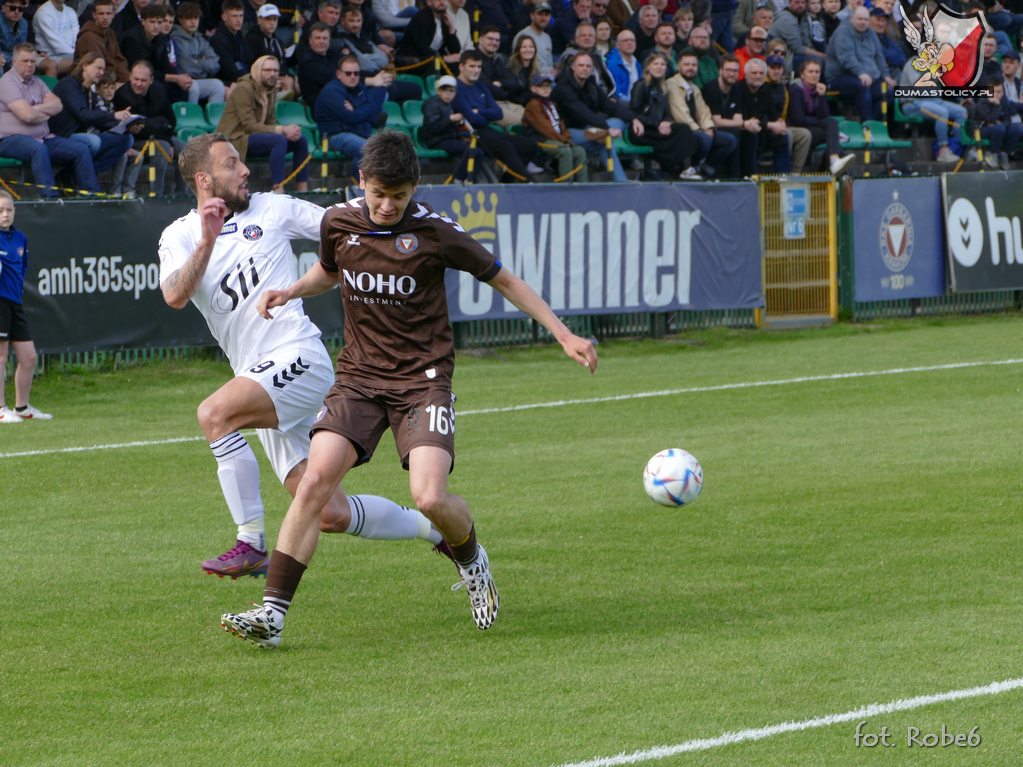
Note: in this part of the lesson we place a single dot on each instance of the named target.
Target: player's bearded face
(232, 191)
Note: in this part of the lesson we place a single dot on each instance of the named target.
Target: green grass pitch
(857, 541)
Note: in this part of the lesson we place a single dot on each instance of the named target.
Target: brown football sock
(465, 552)
(282, 579)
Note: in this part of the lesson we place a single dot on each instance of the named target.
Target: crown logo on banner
(477, 217)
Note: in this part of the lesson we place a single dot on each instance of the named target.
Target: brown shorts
(416, 417)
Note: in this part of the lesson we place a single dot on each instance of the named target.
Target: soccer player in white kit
(221, 257)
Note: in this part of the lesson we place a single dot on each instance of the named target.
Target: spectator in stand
(743, 20)
(523, 64)
(442, 129)
(371, 31)
(713, 147)
(722, 12)
(235, 56)
(585, 42)
(818, 37)
(144, 96)
(1003, 20)
(563, 30)
(943, 113)
(647, 20)
(464, 27)
(792, 25)
(96, 36)
(346, 110)
(852, 5)
(372, 58)
(1011, 81)
(993, 115)
(129, 16)
(13, 29)
(506, 89)
(829, 18)
(758, 104)
(598, 13)
(660, 6)
(317, 66)
(474, 102)
(56, 29)
(196, 57)
(394, 14)
(262, 37)
(328, 13)
(250, 124)
(673, 142)
(26, 104)
(707, 57)
(604, 32)
(799, 138)
(808, 108)
(683, 23)
(588, 112)
(856, 66)
(756, 41)
(724, 100)
(894, 54)
(539, 20)
(542, 121)
(82, 119)
(204, 90)
(430, 33)
(623, 64)
(664, 42)
(619, 12)
(147, 43)
(991, 66)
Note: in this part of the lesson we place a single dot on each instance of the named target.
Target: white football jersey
(252, 254)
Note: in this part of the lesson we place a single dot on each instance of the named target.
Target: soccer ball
(673, 478)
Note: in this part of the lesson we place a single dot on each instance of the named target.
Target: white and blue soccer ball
(673, 478)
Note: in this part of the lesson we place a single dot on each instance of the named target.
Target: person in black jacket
(673, 142)
(758, 103)
(442, 129)
(588, 112)
(144, 96)
(416, 47)
(507, 90)
(146, 42)
(227, 42)
(993, 115)
(83, 120)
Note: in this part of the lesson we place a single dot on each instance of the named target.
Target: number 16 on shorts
(441, 419)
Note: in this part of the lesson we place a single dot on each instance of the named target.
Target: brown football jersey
(397, 333)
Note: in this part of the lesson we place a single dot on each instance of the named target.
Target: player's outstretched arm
(182, 284)
(317, 280)
(526, 299)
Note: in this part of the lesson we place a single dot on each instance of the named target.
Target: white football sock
(254, 534)
(238, 472)
(378, 518)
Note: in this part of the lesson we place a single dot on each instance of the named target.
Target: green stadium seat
(625, 147)
(187, 134)
(190, 117)
(293, 113)
(968, 139)
(854, 131)
(403, 77)
(50, 81)
(214, 110)
(413, 111)
(425, 152)
(902, 117)
(879, 138)
(431, 86)
(395, 118)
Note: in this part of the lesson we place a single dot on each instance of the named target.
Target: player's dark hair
(194, 158)
(470, 55)
(389, 158)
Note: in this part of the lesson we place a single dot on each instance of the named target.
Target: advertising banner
(898, 237)
(94, 278)
(598, 250)
(985, 248)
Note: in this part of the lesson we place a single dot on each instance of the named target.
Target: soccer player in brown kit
(388, 253)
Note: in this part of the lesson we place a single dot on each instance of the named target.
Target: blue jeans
(1003, 138)
(349, 144)
(868, 100)
(106, 148)
(276, 146)
(721, 29)
(579, 139)
(714, 150)
(41, 154)
(939, 111)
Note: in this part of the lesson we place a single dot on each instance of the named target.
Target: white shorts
(297, 377)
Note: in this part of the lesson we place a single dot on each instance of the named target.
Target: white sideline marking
(563, 403)
(866, 712)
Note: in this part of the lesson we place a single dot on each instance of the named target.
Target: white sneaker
(991, 161)
(947, 155)
(690, 174)
(32, 414)
(839, 164)
(534, 169)
(9, 416)
(482, 591)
